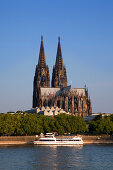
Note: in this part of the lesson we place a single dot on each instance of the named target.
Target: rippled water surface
(88, 157)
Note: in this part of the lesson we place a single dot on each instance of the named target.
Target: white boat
(50, 139)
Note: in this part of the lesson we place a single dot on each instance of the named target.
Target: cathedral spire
(42, 61)
(59, 76)
(59, 60)
(41, 78)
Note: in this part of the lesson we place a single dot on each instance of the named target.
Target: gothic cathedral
(73, 100)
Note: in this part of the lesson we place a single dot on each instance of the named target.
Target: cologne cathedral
(72, 100)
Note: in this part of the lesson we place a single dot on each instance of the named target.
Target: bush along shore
(31, 124)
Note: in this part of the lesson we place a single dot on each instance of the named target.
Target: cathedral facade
(72, 100)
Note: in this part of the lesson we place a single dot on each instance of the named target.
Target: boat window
(68, 139)
(47, 140)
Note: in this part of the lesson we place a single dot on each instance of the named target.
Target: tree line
(101, 125)
(31, 124)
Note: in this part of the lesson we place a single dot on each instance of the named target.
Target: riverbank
(16, 140)
(19, 140)
(97, 139)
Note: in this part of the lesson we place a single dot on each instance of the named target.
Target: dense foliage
(31, 124)
(101, 125)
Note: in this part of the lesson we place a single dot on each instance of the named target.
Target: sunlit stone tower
(41, 78)
(59, 76)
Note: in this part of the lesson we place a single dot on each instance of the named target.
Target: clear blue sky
(86, 31)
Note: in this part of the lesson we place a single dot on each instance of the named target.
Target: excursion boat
(50, 139)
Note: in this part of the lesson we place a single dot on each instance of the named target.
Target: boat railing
(50, 135)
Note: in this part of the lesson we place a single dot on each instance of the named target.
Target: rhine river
(87, 157)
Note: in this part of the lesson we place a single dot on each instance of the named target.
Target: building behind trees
(72, 100)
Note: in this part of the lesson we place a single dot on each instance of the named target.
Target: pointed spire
(59, 76)
(41, 38)
(42, 61)
(90, 108)
(87, 92)
(71, 84)
(59, 60)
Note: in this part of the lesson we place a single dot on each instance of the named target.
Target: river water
(87, 157)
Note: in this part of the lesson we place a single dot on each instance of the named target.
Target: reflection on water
(56, 157)
(60, 157)
(55, 146)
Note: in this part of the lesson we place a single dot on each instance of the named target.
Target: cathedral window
(43, 78)
(45, 103)
(58, 103)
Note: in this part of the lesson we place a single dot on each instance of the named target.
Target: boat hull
(58, 143)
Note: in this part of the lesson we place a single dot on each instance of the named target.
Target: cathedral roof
(64, 91)
(69, 91)
(49, 91)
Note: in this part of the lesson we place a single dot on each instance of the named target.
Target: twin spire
(59, 76)
(42, 61)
